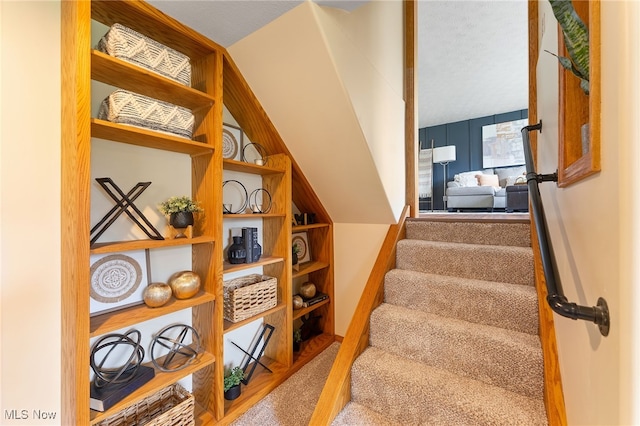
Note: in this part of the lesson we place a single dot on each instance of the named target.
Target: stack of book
(105, 397)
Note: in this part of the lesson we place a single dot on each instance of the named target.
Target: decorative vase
(184, 284)
(156, 294)
(237, 253)
(232, 393)
(181, 219)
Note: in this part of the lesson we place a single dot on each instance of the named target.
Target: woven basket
(172, 406)
(126, 107)
(247, 296)
(131, 46)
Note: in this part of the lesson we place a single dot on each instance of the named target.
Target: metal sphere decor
(110, 373)
(184, 284)
(180, 352)
(156, 294)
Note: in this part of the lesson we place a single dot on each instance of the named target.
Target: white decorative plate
(229, 145)
(114, 278)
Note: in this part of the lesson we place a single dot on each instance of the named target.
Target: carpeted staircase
(456, 340)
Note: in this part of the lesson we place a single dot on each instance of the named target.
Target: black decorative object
(266, 335)
(261, 154)
(232, 393)
(305, 218)
(257, 207)
(310, 327)
(105, 375)
(181, 219)
(245, 199)
(237, 253)
(173, 338)
(124, 202)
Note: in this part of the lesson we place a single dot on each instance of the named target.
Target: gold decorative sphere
(297, 302)
(156, 294)
(185, 284)
(308, 290)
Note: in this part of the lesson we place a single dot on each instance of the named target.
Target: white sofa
(482, 189)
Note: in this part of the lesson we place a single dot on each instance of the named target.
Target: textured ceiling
(472, 54)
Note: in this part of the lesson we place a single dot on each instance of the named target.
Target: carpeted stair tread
(413, 393)
(483, 262)
(510, 306)
(505, 358)
(354, 414)
(494, 233)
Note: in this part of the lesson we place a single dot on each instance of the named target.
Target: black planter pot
(181, 219)
(232, 393)
(294, 258)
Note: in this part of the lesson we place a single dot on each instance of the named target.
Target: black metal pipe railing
(598, 314)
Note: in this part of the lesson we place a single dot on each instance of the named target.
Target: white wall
(594, 227)
(30, 212)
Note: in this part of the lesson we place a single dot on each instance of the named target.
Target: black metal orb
(105, 375)
(179, 354)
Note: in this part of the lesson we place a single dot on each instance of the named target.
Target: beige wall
(29, 211)
(592, 225)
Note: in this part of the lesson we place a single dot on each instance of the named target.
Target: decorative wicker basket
(129, 45)
(247, 296)
(125, 107)
(172, 406)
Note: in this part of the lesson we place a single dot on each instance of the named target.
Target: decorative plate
(114, 278)
(300, 239)
(229, 145)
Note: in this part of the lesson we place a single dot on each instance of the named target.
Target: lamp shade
(444, 154)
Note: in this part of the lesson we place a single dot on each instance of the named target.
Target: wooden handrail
(337, 389)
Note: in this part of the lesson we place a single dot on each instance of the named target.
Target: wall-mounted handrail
(558, 302)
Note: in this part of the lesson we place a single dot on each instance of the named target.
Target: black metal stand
(123, 203)
(251, 356)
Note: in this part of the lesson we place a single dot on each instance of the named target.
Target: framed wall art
(301, 239)
(117, 280)
(502, 144)
(231, 141)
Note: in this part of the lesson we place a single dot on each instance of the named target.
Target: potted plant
(576, 39)
(297, 338)
(294, 254)
(180, 210)
(232, 383)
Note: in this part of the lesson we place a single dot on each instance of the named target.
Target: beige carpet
(292, 403)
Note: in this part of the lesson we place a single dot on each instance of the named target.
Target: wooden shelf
(230, 326)
(252, 215)
(129, 76)
(309, 267)
(299, 228)
(118, 246)
(241, 166)
(310, 349)
(297, 313)
(105, 323)
(160, 381)
(264, 260)
(131, 135)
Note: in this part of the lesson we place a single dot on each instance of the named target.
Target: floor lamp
(444, 155)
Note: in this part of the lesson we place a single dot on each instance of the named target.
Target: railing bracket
(602, 316)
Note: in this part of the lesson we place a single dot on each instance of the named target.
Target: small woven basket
(172, 406)
(125, 107)
(247, 296)
(129, 45)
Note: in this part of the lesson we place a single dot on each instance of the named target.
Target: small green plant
(179, 204)
(234, 378)
(297, 335)
(576, 39)
(295, 249)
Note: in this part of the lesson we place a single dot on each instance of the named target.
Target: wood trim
(576, 108)
(553, 394)
(337, 390)
(75, 202)
(410, 96)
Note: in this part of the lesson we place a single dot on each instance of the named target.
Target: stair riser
(490, 263)
(510, 306)
(479, 352)
(505, 234)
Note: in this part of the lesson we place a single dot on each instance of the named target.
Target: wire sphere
(180, 353)
(121, 373)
